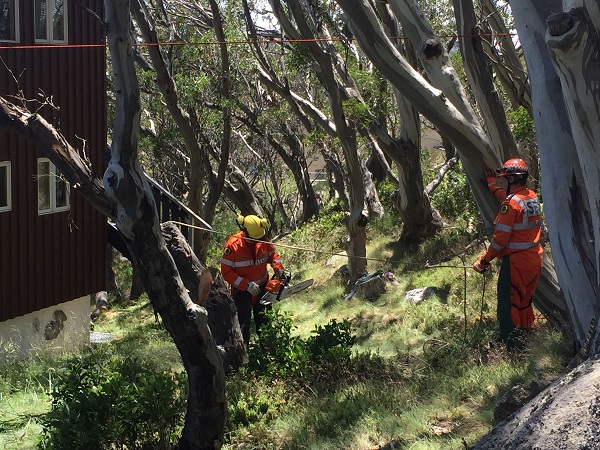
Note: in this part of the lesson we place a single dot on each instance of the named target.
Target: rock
(416, 296)
(515, 398)
(564, 416)
(370, 286)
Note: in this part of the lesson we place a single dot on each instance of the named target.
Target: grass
(423, 376)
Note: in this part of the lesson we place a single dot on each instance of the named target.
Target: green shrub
(103, 402)
(453, 197)
(335, 339)
(276, 352)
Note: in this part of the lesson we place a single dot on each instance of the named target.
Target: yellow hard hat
(254, 226)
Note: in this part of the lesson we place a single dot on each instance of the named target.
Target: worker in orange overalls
(516, 241)
(244, 267)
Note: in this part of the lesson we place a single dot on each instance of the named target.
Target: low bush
(275, 351)
(102, 401)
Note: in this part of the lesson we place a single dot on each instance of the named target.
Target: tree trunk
(217, 182)
(137, 220)
(566, 204)
(336, 177)
(239, 192)
(419, 218)
(473, 146)
(137, 284)
(508, 66)
(214, 295)
(572, 39)
(363, 200)
(479, 74)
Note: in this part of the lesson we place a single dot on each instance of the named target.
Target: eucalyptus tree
(279, 134)
(561, 50)
(125, 196)
(211, 171)
(356, 124)
(441, 99)
(298, 22)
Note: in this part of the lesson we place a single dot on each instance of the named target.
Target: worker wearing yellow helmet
(244, 266)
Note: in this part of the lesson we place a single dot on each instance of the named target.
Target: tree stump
(212, 295)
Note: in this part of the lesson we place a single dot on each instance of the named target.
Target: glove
(278, 274)
(253, 288)
(480, 265)
(490, 176)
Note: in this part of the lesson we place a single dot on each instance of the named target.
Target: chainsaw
(278, 289)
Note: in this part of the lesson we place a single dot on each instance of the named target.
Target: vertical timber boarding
(49, 259)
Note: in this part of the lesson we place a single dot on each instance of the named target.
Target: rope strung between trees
(426, 264)
(266, 40)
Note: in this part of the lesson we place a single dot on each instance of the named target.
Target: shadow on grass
(442, 247)
(151, 343)
(330, 302)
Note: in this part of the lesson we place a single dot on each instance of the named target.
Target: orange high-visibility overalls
(516, 236)
(243, 261)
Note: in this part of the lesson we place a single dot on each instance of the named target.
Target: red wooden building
(52, 243)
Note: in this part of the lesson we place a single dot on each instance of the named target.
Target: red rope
(267, 40)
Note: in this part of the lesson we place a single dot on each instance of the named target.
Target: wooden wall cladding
(52, 258)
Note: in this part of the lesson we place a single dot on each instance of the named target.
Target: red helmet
(514, 166)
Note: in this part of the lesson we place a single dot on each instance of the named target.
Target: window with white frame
(54, 191)
(5, 186)
(9, 20)
(51, 21)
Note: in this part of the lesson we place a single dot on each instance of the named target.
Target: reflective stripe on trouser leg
(504, 316)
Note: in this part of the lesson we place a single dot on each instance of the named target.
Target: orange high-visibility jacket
(245, 260)
(517, 225)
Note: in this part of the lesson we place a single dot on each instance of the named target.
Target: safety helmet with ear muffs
(254, 226)
(514, 166)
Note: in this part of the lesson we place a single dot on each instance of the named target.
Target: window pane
(62, 191)
(43, 185)
(3, 186)
(59, 21)
(7, 20)
(41, 31)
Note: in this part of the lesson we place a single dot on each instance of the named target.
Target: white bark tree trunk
(571, 45)
(472, 144)
(363, 200)
(508, 66)
(137, 220)
(478, 72)
(566, 206)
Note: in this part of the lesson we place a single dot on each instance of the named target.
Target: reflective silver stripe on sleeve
(262, 260)
(527, 225)
(496, 246)
(276, 261)
(521, 245)
(227, 262)
(502, 227)
(242, 263)
(237, 282)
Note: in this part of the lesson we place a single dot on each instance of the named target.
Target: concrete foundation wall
(64, 327)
